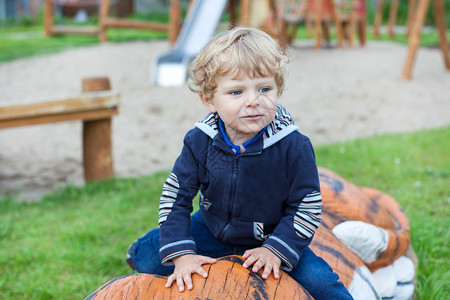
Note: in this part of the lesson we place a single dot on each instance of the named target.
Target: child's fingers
(259, 264)
(267, 271)
(276, 271)
(247, 254)
(188, 281)
(200, 271)
(207, 260)
(250, 260)
(180, 282)
(170, 280)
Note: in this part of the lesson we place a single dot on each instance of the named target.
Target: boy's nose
(253, 99)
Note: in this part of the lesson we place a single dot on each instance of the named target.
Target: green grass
(20, 42)
(76, 238)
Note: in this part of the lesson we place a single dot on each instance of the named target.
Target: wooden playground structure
(106, 21)
(417, 11)
(284, 15)
(95, 108)
(348, 16)
(416, 30)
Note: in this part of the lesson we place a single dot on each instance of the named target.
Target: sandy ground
(333, 94)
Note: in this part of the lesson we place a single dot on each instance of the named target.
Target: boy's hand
(262, 257)
(185, 266)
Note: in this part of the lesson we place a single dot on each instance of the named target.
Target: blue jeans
(312, 272)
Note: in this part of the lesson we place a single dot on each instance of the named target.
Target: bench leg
(97, 154)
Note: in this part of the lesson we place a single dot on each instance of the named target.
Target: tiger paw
(365, 240)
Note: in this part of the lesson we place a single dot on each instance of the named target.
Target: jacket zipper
(232, 194)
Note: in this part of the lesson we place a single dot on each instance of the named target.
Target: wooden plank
(70, 104)
(124, 23)
(74, 30)
(95, 107)
(61, 117)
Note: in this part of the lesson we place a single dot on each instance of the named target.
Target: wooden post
(232, 12)
(102, 18)
(392, 18)
(174, 21)
(378, 18)
(362, 25)
(318, 21)
(351, 28)
(414, 36)
(48, 18)
(439, 19)
(411, 8)
(245, 13)
(416, 30)
(337, 22)
(97, 153)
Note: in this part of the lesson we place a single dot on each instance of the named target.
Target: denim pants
(312, 272)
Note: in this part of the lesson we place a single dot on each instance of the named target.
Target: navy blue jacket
(268, 196)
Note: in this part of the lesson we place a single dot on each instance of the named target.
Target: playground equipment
(51, 29)
(105, 21)
(95, 107)
(284, 15)
(353, 17)
(172, 29)
(364, 237)
(392, 17)
(416, 30)
(199, 26)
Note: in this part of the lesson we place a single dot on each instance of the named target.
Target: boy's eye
(235, 93)
(264, 89)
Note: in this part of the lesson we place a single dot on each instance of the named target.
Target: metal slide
(199, 26)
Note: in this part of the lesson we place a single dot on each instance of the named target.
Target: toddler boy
(256, 173)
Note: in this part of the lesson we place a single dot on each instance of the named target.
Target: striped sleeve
(308, 215)
(168, 197)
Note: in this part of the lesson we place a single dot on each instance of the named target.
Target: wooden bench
(95, 107)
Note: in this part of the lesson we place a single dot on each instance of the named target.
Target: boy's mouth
(252, 117)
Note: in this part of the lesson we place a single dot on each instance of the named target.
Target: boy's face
(245, 105)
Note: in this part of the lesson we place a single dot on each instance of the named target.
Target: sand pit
(333, 94)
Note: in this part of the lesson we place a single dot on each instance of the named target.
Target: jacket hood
(281, 126)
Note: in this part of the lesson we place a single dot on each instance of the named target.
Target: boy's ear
(208, 102)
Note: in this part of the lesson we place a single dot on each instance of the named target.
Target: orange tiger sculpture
(347, 211)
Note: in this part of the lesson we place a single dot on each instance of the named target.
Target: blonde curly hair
(240, 50)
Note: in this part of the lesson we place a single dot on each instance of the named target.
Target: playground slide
(199, 26)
